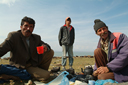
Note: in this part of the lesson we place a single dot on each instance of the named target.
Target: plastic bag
(60, 80)
(101, 82)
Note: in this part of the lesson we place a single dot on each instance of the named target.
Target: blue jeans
(68, 49)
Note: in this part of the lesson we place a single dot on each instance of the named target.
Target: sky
(50, 15)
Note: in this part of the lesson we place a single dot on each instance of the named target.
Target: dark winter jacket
(117, 56)
(19, 52)
(65, 37)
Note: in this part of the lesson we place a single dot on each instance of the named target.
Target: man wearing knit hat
(66, 39)
(111, 55)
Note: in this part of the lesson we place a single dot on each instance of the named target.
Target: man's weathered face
(103, 32)
(27, 29)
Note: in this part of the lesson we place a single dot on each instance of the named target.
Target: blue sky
(50, 16)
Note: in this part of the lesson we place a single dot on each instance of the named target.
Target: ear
(97, 34)
(20, 27)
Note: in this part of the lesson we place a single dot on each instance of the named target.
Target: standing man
(22, 46)
(66, 40)
(111, 55)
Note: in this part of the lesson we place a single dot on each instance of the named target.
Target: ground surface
(79, 62)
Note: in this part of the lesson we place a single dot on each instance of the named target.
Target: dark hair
(69, 19)
(29, 20)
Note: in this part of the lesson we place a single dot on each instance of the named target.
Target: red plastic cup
(40, 49)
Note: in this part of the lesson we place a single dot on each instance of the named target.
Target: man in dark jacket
(111, 55)
(22, 46)
(66, 40)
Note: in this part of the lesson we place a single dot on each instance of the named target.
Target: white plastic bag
(60, 80)
(77, 82)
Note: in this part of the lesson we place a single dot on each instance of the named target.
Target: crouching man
(111, 55)
(22, 45)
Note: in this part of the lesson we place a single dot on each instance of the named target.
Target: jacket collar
(31, 41)
(111, 37)
(66, 26)
(23, 35)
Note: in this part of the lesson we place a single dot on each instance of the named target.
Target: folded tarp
(14, 71)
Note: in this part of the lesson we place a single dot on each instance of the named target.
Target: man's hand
(45, 48)
(95, 73)
(102, 69)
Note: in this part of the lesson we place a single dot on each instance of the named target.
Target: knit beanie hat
(98, 24)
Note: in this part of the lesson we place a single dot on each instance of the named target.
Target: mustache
(27, 30)
(103, 33)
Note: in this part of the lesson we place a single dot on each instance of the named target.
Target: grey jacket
(65, 37)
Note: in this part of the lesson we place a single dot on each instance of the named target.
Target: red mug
(40, 49)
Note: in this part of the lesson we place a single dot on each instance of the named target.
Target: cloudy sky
(50, 16)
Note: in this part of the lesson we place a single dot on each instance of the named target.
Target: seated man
(22, 46)
(111, 55)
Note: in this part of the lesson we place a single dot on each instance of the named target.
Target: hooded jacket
(65, 37)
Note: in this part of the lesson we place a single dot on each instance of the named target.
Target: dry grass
(79, 62)
(2, 61)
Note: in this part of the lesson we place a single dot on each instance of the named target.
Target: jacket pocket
(115, 50)
(64, 41)
(114, 53)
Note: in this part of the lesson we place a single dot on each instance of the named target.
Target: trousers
(67, 49)
(41, 72)
(101, 60)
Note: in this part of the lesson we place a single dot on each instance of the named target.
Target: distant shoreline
(56, 57)
(75, 53)
(88, 56)
(59, 54)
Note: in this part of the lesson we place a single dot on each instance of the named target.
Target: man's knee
(38, 73)
(41, 76)
(46, 76)
(97, 50)
(51, 52)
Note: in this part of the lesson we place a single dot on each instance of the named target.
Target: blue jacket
(14, 71)
(117, 56)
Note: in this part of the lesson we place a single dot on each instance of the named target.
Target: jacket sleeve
(7, 45)
(48, 46)
(73, 35)
(60, 36)
(121, 60)
(95, 68)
